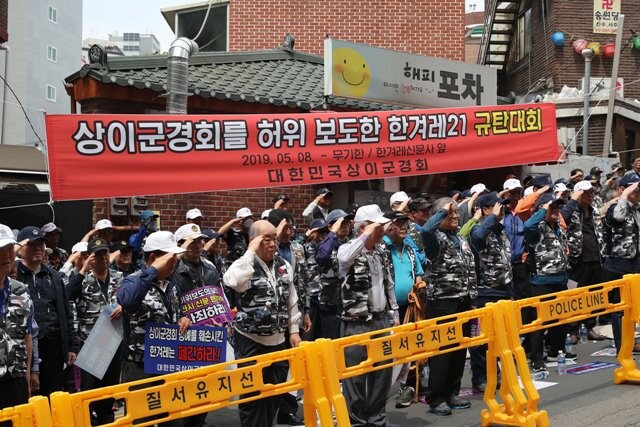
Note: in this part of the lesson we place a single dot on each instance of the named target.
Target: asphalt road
(590, 399)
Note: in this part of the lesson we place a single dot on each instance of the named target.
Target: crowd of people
(343, 273)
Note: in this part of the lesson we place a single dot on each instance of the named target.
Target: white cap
(188, 231)
(243, 213)
(80, 247)
(528, 190)
(370, 213)
(560, 188)
(103, 223)
(510, 184)
(265, 214)
(50, 227)
(398, 197)
(163, 241)
(478, 188)
(6, 236)
(194, 213)
(583, 185)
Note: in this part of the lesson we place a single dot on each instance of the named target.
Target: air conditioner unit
(602, 85)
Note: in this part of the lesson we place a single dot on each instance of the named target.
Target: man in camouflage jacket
(548, 266)
(15, 328)
(367, 295)
(622, 249)
(149, 296)
(326, 308)
(94, 288)
(267, 307)
(451, 288)
(492, 250)
(585, 242)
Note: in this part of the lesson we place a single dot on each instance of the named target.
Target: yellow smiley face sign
(351, 73)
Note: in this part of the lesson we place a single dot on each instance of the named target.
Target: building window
(52, 53)
(51, 93)
(523, 37)
(53, 15)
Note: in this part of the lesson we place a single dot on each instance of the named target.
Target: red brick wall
(434, 28)
(217, 207)
(562, 64)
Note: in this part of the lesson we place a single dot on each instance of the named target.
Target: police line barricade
(398, 345)
(568, 307)
(34, 413)
(169, 397)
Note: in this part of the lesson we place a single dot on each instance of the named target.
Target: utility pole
(612, 90)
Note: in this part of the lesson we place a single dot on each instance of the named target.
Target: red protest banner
(92, 156)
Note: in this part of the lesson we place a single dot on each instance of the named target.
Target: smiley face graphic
(351, 73)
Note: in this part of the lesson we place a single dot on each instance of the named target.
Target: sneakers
(405, 396)
(538, 365)
(442, 409)
(479, 388)
(456, 402)
(567, 356)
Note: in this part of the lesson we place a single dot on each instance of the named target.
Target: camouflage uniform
(452, 273)
(14, 327)
(330, 291)
(494, 257)
(574, 229)
(57, 258)
(548, 265)
(621, 238)
(356, 304)
(312, 288)
(93, 299)
(155, 306)
(263, 310)
(452, 285)
(300, 272)
(548, 254)
(236, 245)
(368, 293)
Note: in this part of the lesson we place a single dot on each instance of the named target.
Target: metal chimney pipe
(178, 74)
(586, 90)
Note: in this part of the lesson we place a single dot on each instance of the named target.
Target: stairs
(500, 23)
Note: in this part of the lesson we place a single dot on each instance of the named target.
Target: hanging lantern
(557, 39)
(579, 45)
(609, 50)
(636, 42)
(596, 47)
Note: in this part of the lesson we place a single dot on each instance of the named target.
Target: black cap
(325, 191)
(465, 193)
(120, 245)
(625, 181)
(353, 207)
(546, 198)
(594, 170)
(489, 200)
(559, 181)
(419, 204)
(395, 215)
(336, 214)
(280, 196)
(542, 180)
(209, 234)
(318, 224)
(97, 245)
(30, 233)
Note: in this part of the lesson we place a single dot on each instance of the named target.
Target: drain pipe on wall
(587, 54)
(178, 74)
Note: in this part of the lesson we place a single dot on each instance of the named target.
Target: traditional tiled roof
(275, 77)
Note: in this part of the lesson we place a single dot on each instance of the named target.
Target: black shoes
(290, 420)
(456, 402)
